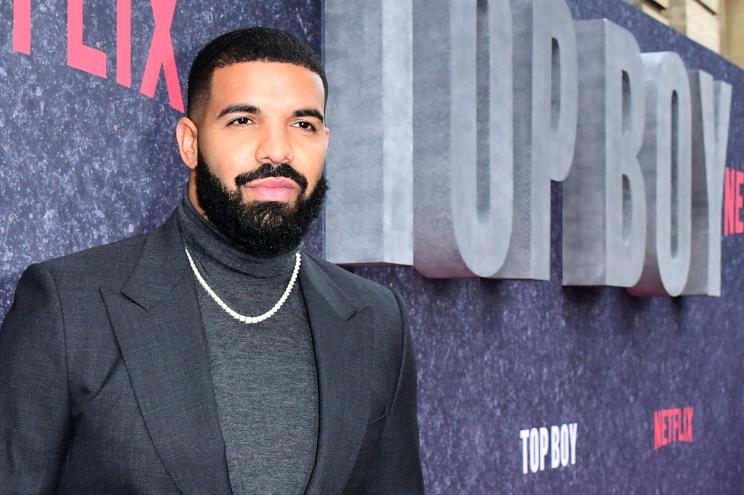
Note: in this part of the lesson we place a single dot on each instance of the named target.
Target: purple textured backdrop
(496, 357)
(85, 161)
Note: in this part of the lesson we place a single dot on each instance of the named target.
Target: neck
(192, 196)
(204, 239)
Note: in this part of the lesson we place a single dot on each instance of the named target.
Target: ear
(188, 147)
(327, 137)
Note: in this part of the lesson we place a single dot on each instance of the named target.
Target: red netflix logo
(161, 57)
(733, 202)
(673, 425)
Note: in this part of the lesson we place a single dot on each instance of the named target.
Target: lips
(273, 182)
(272, 188)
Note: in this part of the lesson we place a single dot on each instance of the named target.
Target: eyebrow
(238, 108)
(308, 112)
(242, 108)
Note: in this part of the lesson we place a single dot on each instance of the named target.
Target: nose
(274, 146)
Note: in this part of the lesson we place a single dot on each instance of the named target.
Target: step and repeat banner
(558, 199)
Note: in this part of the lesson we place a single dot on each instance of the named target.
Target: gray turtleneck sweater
(264, 374)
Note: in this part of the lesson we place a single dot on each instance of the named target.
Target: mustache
(267, 170)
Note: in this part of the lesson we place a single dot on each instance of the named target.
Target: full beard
(260, 228)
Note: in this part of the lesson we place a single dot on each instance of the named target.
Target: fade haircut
(247, 45)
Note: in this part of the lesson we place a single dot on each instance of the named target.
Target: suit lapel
(339, 342)
(158, 326)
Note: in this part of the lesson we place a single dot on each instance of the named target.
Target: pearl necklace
(235, 314)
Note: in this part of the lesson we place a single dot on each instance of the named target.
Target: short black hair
(246, 45)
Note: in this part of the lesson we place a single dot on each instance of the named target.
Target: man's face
(261, 136)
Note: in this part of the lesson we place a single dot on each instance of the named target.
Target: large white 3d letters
(666, 162)
(545, 110)
(450, 119)
(369, 209)
(604, 208)
(711, 107)
(462, 137)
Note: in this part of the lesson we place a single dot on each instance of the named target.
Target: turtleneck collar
(203, 237)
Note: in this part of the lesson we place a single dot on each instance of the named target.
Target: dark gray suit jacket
(105, 385)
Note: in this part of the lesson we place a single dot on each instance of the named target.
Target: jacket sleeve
(396, 467)
(34, 398)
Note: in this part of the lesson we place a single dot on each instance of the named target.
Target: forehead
(266, 83)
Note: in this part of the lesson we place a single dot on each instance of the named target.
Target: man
(211, 356)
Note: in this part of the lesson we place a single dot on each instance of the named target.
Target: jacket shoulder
(364, 291)
(111, 262)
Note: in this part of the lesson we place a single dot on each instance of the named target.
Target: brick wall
(715, 24)
(734, 31)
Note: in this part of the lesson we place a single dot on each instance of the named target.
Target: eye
(241, 121)
(305, 125)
